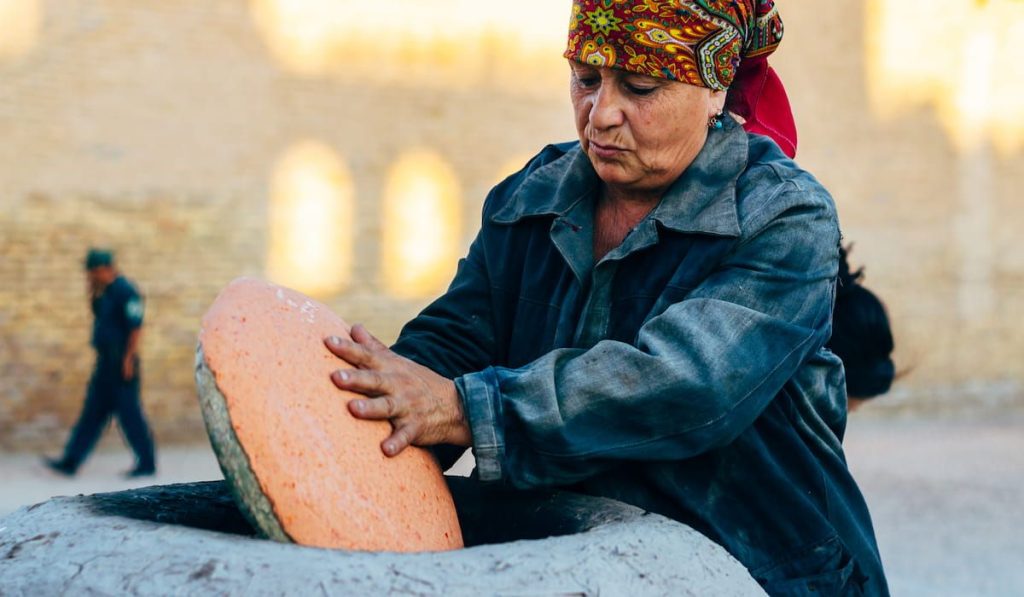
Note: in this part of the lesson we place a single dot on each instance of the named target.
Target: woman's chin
(612, 172)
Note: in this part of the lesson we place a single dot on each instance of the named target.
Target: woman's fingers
(374, 408)
(384, 408)
(362, 351)
(363, 336)
(423, 407)
(401, 439)
(361, 381)
(351, 352)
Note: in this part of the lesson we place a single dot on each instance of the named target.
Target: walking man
(118, 309)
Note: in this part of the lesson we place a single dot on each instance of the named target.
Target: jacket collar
(702, 200)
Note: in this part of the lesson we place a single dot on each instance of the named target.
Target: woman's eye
(587, 81)
(637, 90)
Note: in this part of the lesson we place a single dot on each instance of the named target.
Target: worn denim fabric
(684, 372)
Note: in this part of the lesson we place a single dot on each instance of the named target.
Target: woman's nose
(606, 111)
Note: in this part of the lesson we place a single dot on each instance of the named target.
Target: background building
(345, 148)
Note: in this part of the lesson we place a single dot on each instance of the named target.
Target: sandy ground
(946, 497)
(947, 500)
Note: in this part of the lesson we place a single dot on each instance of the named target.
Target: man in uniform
(114, 386)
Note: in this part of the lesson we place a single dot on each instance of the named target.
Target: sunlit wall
(963, 57)
(458, 44)
(20, 22)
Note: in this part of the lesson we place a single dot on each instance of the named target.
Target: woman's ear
(716, 102)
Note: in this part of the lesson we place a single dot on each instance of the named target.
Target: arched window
(311, 220)
(422, 226)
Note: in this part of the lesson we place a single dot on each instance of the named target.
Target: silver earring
(715, 122)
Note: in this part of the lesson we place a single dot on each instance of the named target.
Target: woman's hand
(424, 408)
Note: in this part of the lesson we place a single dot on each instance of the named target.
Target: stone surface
(943, 530)
(302, 467)
(191, 539)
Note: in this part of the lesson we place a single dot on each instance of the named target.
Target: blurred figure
(118, 309)
(861, 337)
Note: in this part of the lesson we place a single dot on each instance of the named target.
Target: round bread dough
(302, 468)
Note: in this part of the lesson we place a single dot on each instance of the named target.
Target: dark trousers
(109, 393)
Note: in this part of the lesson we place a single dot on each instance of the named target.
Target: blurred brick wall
(154, 128)
(937, 229)
(177, 249)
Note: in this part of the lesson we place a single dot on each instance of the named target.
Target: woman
(643, 313)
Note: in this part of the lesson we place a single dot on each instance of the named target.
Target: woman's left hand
(424, 408)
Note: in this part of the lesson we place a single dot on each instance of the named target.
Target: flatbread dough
(301, 467)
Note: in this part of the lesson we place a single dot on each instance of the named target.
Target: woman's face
(640, 132)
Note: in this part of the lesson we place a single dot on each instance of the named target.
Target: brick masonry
(155, 129)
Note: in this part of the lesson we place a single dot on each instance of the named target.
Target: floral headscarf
(700, 42)
(718, 44)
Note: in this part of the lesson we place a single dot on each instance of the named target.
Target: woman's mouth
(606, 151)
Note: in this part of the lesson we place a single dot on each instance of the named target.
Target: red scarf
(757, 94)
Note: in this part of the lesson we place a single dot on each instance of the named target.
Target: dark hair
(861, 335)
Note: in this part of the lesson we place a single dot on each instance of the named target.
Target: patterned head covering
(700, 42)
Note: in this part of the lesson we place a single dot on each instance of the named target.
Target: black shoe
(140, 471)
(60, 466)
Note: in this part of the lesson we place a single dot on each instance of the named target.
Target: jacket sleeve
(455, 334)
(133, 308)
(698, 375)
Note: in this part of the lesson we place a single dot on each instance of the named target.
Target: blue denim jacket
(684, 372)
